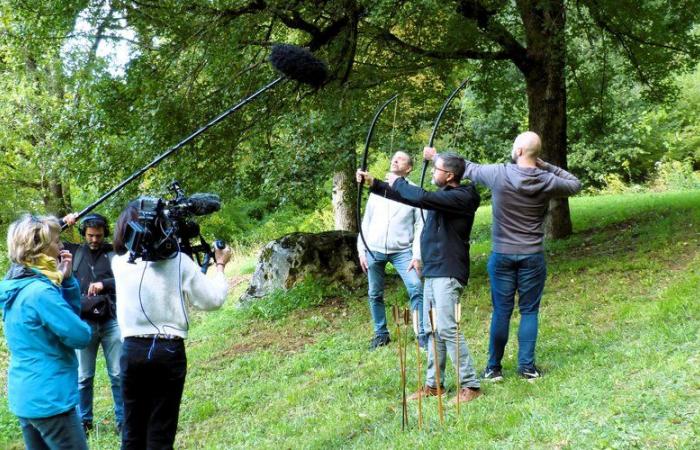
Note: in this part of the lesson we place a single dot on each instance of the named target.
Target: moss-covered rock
(284, 262)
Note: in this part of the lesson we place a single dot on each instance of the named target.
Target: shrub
(675, 176)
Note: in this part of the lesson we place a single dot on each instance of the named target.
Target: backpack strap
(78, 258)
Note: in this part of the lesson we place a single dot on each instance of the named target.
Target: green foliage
(676, 176)
(281, 303)
(65, 116)
(253, 229)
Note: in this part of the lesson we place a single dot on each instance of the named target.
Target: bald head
(528, 146)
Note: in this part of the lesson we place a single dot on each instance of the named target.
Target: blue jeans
(153, 377)
(442, 294)
(62, 431)
(508, 273)
(107, 334)
(376, 263)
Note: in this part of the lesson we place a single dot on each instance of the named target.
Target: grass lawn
(619, 345)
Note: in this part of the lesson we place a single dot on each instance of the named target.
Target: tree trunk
(55, 199)
(344, 191)
(342, 115)
(546, 94)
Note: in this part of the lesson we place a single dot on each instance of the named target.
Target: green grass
(619, 343)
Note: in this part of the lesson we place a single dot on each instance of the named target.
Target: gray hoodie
(519, 203)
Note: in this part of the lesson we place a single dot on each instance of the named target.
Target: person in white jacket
(151, 298)
(392, 231)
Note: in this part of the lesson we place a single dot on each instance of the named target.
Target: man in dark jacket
(92, 268)
(445, 254)
(521, 194)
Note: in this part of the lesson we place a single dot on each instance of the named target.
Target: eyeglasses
(441, 170)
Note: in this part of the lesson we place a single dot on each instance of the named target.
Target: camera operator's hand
(70, 219)
(222, 257)
(65, 265)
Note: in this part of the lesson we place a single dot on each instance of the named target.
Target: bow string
(434, 132)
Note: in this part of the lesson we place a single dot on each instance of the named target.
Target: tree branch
(485, 20)
(620, 34)
(438, 54)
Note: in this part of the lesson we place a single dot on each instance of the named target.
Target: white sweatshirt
(390, 227)
(151, 295)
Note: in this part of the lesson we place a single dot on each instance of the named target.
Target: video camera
(164, 227)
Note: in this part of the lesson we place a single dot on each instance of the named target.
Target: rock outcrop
(331, 255)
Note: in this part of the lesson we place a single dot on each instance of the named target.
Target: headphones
(93, 220)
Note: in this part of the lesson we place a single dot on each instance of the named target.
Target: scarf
(49, 267)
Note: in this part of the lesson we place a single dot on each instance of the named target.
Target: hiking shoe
(530, 374)
(426, 391)
(379, 341)
(492, 375)
(466, 395)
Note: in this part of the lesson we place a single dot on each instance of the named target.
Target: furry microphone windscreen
(298, 64)
(202, 204)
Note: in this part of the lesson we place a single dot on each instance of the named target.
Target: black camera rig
(165, 227)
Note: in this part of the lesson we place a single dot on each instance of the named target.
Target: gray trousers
(442, 294)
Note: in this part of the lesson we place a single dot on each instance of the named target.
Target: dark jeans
(525, 274)
(153, 376)
(62, 431)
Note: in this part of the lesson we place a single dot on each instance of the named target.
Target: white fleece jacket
(390, 227)
(149, 297)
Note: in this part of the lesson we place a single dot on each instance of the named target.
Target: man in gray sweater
(520, 196)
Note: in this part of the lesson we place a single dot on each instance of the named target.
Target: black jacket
(449, 217)
(94, 266)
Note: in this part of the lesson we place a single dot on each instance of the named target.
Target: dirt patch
(288, 339)
(333, 309)
(278, 339)
(236, 280)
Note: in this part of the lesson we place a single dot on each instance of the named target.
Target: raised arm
(562, 183)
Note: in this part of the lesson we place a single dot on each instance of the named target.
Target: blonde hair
(29, 236)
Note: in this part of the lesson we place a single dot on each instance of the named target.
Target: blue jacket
(43, 328)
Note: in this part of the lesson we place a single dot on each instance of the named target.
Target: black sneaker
(379, 341)
(530, 374)
(492, 375)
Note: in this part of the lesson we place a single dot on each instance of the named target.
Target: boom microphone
(294, 63)
(298, 64)
(202, 204)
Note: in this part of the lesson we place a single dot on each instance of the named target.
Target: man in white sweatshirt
(392, 231)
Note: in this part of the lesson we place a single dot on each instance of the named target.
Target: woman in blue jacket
(40, 300)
